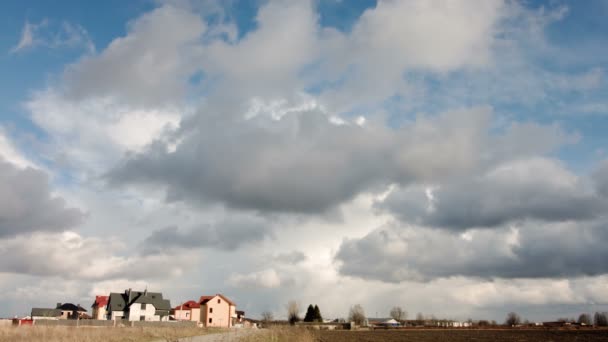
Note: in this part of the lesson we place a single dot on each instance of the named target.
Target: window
(218, 301)
(210, 320)
(142, 318)
(210, 310)
(143, 306)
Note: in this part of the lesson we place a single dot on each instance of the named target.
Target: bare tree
(267, 316)
(420, 317)
(585, 319)
(293, 312)
(513, 319)
(356, 314)
(600, 319)
(398, 314)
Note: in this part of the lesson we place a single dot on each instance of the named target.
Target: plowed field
(464, 335)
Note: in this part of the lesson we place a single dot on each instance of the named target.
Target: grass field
(97, 334)
(505, 335)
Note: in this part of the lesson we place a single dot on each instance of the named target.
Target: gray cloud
(302, 162)
(395, 253)
(28, 205)
(149, 66)
(534, 188)
(68, 255)
(228, 234)
(600, 177)
(294, 257)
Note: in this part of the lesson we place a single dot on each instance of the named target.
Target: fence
(106, 323)
(73, 323)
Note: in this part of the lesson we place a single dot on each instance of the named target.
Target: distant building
(44, 313)
(188, 311)
(138, 306)
(71, 311)
(99, 307)
(217, 311)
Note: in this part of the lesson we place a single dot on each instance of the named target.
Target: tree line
(357, 315)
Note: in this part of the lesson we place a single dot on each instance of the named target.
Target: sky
(448, 157)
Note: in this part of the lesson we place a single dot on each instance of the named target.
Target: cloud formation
(53, 36)
(226, 234)
(538, 189)
(28, 204)
(397, 253)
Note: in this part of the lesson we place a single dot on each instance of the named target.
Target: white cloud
(10, 153)
(69, 255)
(53, 35)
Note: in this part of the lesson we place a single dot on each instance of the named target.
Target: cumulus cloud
(226, 234)
(538, 188)
(150, 65)
(71, 256)
(303, 162)
(395, 253)
(29, 205)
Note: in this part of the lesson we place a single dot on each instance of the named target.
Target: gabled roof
(188, 305)
(100, 301)
(204, 299)
(122, 301)
(70, 307)
(42, 312)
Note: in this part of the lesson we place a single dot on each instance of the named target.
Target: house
(217, 311)
(138, 306)
(43, 313)
(188, 311)
(71, 311)
(99, 307)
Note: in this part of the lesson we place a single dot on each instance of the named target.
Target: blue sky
(303, 141)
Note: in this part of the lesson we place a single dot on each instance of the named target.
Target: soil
(505, 335)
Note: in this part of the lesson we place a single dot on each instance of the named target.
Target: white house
(138, 306)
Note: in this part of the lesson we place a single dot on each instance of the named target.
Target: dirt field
(101, 334)
(464, 335)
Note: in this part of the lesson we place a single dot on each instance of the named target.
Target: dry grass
(98, 334)
(281, 334)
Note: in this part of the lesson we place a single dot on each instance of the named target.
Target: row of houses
(209, 311)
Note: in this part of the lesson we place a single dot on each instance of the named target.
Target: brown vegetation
(282, 334)
(97, 334)
(504, 335)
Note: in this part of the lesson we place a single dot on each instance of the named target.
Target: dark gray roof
(71, 307)
(121, 301)
(43, 312)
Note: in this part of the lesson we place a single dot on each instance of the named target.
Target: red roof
(204, 299)
(100, 301)
(188, 305)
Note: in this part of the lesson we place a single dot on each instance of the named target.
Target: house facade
(99, 307)
(188, 311)
(217, 311)
(44, 313)
(138, 306)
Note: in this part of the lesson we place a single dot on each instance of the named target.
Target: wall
(221, 315)
(183, 315)
(196, 315)
(135, 312)
(73, 323)
(99, 313)
(117, 315)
